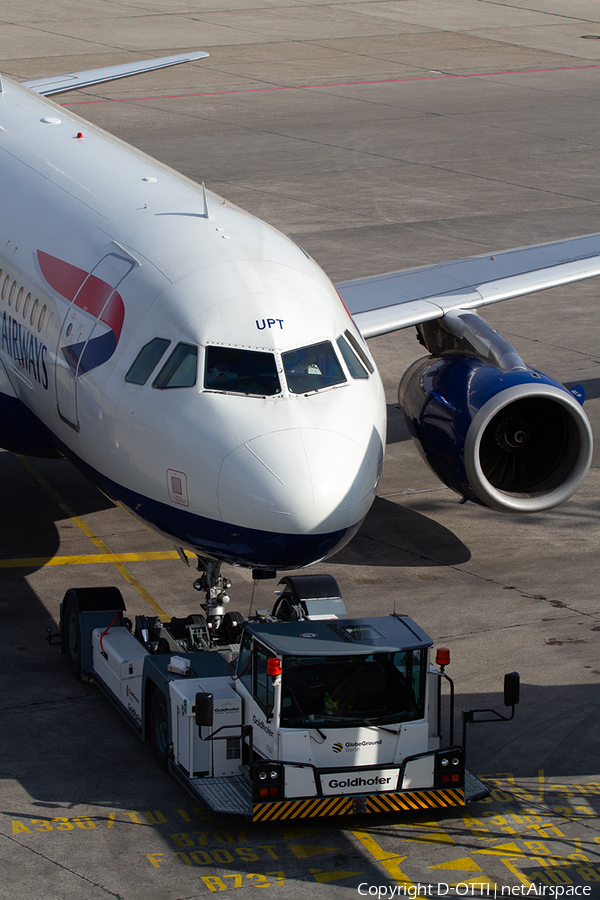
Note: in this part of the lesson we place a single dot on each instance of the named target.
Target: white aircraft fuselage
(189, 358)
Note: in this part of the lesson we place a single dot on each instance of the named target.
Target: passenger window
(180, 370)
(146, 360)
(312, 368)
(237, 371)
(360, 351)
(355, 367)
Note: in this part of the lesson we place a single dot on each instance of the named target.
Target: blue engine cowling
(515, 441)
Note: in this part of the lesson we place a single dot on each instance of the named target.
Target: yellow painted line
(509, 863)
(39, 562)
(389, 861)
(97, 541)
(465, 864)
(509, 849)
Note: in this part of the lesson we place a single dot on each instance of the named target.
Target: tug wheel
(72, 633)
(159, 728)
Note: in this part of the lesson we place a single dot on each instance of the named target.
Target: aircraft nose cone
(298, 481)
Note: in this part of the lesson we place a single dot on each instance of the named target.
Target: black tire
(231, 627)
(159, 728)
(72, 634)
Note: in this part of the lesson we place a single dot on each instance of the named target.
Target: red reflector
(445, 778)
(273, 666)
(273, 792)
(456, 778)
(263, 792)
(442, 657)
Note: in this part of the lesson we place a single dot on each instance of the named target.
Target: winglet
(74, 81)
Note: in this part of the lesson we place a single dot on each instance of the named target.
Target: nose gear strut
(215, 588)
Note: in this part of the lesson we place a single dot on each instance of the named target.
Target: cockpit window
(145, 361)
(238, 371)
(355, 367)
(180, 370)
(360, 352)
(312, 368)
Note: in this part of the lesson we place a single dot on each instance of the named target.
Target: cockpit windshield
(312, 368)
(236, 371)
(338, 691)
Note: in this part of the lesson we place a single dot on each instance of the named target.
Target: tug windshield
(338, 691)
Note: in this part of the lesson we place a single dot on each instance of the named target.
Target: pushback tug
(296, 713)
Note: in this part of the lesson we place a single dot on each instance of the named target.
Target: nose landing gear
(215, 588)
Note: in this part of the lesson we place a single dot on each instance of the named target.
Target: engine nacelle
(516, 441)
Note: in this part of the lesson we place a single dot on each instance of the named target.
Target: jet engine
(490, 427)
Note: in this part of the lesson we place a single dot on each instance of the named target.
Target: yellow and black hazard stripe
(409, 801)
(412, 801)
(302, 809)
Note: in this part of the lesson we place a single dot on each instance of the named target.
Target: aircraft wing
(74, 81)
(385, 303)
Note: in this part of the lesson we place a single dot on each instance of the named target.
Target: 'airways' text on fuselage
(25, 349)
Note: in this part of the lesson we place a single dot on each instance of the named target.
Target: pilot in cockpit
(306, 364)
(220, 372)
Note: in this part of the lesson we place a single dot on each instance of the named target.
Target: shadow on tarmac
(555, 729)
(28, 529)
(73, 747)
(393, 535)
(591, 387)
(397, 431)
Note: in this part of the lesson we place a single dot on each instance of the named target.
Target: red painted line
(337, 84)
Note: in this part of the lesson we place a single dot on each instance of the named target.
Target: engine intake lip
(561, 481)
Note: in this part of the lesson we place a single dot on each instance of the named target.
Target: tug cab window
(252, 672)
(312, 368)
(180, 370)
(144, 363)
(244, 663)
(338, 691)
(263, 683)
(236, 371)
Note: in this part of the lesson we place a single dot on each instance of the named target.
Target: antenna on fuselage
(205, 201)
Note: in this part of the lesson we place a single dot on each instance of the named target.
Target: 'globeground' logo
(337, 747)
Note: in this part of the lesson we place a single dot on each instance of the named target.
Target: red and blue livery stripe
(94, 296)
